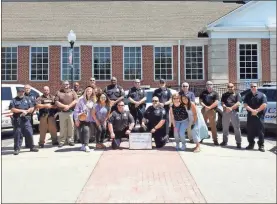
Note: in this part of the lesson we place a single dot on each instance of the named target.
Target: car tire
(219, 119)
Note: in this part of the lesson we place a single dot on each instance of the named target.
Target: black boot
(239, 145)
(261, 148)
(216, 143)
(223, 144)
(16, 152)
(250, 146)
(34, 149)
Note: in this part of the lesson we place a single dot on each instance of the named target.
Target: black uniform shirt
(136, 94)
(164, 95)
(121, 121)
(32, 97)
(154, 116)
(230, 99)
(208, 98)
(21, 103)
(114, 92)
(255, 101)
(189, 94)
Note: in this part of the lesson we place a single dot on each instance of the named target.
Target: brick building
(193, 41)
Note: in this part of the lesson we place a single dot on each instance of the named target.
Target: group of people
(94, 113)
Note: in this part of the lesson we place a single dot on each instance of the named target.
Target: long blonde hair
(92, 97)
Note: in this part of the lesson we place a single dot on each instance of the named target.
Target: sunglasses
(155, 101)
(120, 105)
(92, 80)
(185, 86)
(66, 84)
(253, 86)
(175, 98)
(229, 87)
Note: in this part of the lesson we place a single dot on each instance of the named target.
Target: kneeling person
(120, 124)
(156, 117)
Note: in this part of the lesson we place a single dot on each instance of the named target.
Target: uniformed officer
(209, 100)
(114, 92)
(120, 124)
(185, 92)
(137, 98)
(77, 89)
(47, 110)
(22, 108)
(97, 89)
(155, 119)
(230, 102)
(27, 89)
(164, 96)
(255, 103)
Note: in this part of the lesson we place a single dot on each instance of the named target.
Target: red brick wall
(182, 63)
(23, 64)
(265, 51)
(86, 65)
(232, 60)
(147, 65)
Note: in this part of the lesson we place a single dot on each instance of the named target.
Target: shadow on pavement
(70, 149)
(273, 150)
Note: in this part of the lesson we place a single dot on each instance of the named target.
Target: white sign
(140, 141)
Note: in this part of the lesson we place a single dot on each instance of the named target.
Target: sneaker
(34, 149)
(60, 145)
(238, 145)
(177, 147)
(183, 148)
(41, 145)
(16, 152)
(87, 149)
(261, 149)
(223, 144)
(71, 144)
(249, 147)
(83, 148)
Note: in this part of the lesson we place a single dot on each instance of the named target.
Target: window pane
(194, 62)
(9, 63)
(248, 61)
(132, 63)
(102, 63)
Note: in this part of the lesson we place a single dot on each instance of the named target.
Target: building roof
(109, 20)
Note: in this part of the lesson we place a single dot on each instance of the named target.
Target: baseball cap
(162, 81)
(137, 80)
(20, 89)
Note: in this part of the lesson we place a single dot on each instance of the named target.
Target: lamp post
(71, 37)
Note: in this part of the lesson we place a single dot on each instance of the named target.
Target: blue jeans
(179, 131)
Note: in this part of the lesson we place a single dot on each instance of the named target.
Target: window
(132, 63)
(194, 63)
(66, 69)
(102, 63)
(39, 64)
(9, 63)
(248, 61)
(6, 93)
(163, 63)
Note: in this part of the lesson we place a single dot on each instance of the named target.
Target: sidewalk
(67, 175)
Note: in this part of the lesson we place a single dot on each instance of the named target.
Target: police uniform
(22, 124)
(120, 122)
(114, 92)
(154, 116)
(255, 124)
(164, 95)
(208, 98)
(47, 119)
(137, 95)
(188, 94)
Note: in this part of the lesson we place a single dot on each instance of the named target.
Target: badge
(124, 114)
(117, 118)
(163, 111)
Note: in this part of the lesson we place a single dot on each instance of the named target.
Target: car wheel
(219, 119)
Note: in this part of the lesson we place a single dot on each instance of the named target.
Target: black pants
(100, 132)
(118, 136)
(159, 136)
(22, 126)
(137, 113)
(84, 132)
(167, 122)
(255, 127)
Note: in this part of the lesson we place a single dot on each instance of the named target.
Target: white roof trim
(244, 28)
(211, 25)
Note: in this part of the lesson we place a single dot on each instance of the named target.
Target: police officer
(27, 89)
(137, 98)
(77, 89)
(47, 110)
(155, 116)
(22, 108)
(92, 82)
(120, 124)
(230, 102)
(255, 103)
(185, 92)
(114, 92)
(164, 96)
(209, 100)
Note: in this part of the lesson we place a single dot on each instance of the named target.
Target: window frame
(259, 72)
(16, 63)
(203, 61)
(73, 63)
(111, 62)
(135, 58)
(172, 59)
(30, 62)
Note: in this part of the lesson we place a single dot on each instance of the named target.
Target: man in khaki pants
(66, 100)
(47, 110)
(209, 100)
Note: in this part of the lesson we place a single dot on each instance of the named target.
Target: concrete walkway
(67, 175)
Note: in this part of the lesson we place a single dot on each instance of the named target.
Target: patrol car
(9, 91)
(270, 113)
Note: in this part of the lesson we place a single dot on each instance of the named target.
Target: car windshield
(6, 93)
(270, 94)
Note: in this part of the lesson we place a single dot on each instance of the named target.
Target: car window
(149, 95)
(270, 94)
(6, 93)
(33, 92)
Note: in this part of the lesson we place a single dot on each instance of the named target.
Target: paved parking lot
(67, 175)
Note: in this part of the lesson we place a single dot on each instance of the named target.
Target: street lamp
(71, 37)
